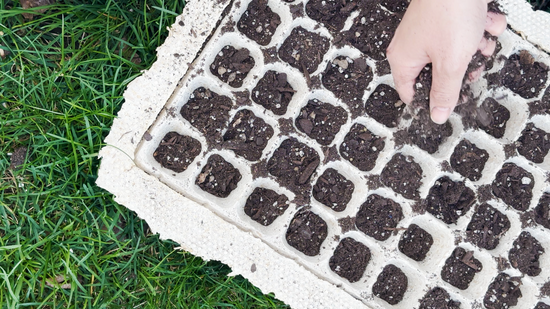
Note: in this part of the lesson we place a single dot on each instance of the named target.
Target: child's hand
(446, 33)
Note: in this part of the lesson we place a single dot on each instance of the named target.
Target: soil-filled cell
(503, 292)
(333, 190)
(391, 284)
(259, 22)
(542, 211)
(541, 305)
(541, 107)
(265, 205)
(218, 177)
(523, 75)
(304, 50)
(306, 232)
(232, 65)
(514, 186)
(273, 92)
(372, 30)
(350, 259)
(403, 175)
(438, 298)
(525, 254)
(208, 112)
(426, 134)
(460, 268)
(321, 121)
(247, 135)
(293, 163)
(176, 152)
(492, 117)
(385, 106)
(487, 226)
(348, 78)
(449, 200)
(378, 217)
(533, 143)
(415, 242)
(361, 147)
(469, 160)
(331, 13)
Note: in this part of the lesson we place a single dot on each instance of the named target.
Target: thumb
(446, 84)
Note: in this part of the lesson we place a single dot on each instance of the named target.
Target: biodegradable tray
(370, 228)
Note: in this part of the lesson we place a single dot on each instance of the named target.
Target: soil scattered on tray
(265, 205)
(273, 92)
(350, 259)
(218, 177)
(321, 121)
(391, 284)
(176, 152)
(306, 232)
(514, 186)
(247, 135)
(232, 65)
(378, 217)
(333, 190)
(460, 268)
(361, 147)
(259, 22)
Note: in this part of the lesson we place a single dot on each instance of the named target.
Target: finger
(489, 48)
(495, 23)
(483, 44)
(446, 84)
(404, 75)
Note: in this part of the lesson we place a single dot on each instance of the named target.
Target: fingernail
(440, 115)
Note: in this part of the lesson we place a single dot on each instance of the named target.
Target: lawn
(64, 242)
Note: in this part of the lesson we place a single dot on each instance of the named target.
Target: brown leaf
(28, 4)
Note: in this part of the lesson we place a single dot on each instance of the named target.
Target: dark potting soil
(469, 160)
(541, 107)
(542, 210)
(487, 226)
(372, 30)
(525, 254)
(492, 117)
(503, 292)
(321, 121)
(273, 92)
(176, 152)
(292, 164)
(348, 78)
(460, 268)
(514, 186)
(306, 232)
(396, 6)
(449, 200)
(208, 112)
(333, 190)
(232, 65)
(247, 135)
(523, 75)
(331, 13)
(378, 217)
(350, 259)
(403, 175)
(361, 147)
(259, 22)
(304, 50)
(541, 305)
(218, 177)
(385, 106)
(19, 156)
(424, 133)
(265, 205)
(533, 143)
(438, 298)
(415, 242)
(391, 284)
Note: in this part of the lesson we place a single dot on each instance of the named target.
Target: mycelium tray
(268, 136)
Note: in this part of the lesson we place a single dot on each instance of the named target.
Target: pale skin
(446, 33)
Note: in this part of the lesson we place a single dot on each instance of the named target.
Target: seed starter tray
(272, 140)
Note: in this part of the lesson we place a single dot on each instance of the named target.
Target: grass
(64, 242)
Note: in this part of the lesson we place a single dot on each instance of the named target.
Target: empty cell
(460, 268)
(385, 106)
(350, 259)
(333, 190)
(304, 50)
(449, 200)
(487, 226)
(378, 217)
(273, 92)
(259, 22)
(176, 152)
(514, 185)
(306, 232)
(503, 292)
(265, 205)
(403, 175)
(321, 121)
(247, 135)
(438, 298)
(533, 143)
(218, 177)
(542, 210)
(469, 160)
(232, 65)
(525, 254)
(415, 242)
(361, 147)
(391, 284)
